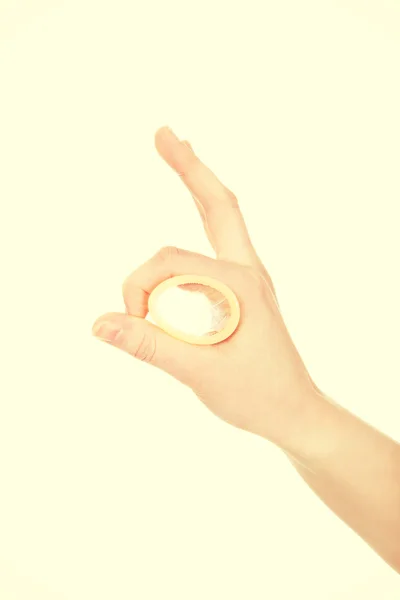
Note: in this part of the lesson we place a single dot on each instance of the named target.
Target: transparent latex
(194, 309)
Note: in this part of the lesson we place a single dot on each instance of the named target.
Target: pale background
(115, 482)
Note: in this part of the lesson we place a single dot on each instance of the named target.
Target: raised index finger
(223, 220)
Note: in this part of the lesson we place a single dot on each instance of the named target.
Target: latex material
(195, 308)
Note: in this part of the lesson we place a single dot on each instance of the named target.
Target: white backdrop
(115, 482)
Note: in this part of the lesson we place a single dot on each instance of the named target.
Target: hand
(254, 380)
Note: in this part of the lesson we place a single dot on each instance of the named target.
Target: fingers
(133, 334)
(147, 343)
(200, 208)
(218, 206)
(168, 262)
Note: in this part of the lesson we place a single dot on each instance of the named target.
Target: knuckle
(200, 208)
(145, 348)
(191, 163)
(126, 285)
(232, 199)
(259, 278)
(130, 292)
(168, 252)
(262, 285)
(226, 200)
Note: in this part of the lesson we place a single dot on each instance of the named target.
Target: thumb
(148, 343)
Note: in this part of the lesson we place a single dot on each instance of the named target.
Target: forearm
(355, 470)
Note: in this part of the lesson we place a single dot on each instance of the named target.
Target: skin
(256, 380)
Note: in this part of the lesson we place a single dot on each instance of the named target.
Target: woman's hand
(255, 379)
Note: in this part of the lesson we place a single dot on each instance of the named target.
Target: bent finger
(166, 263)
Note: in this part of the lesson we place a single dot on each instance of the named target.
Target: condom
(194, 308)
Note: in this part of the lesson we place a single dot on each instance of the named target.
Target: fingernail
(188, 145)
(173, 134)
(106, 331)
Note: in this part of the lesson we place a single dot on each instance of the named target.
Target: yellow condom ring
(203, 340)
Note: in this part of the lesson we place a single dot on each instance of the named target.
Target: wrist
(314, 430)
